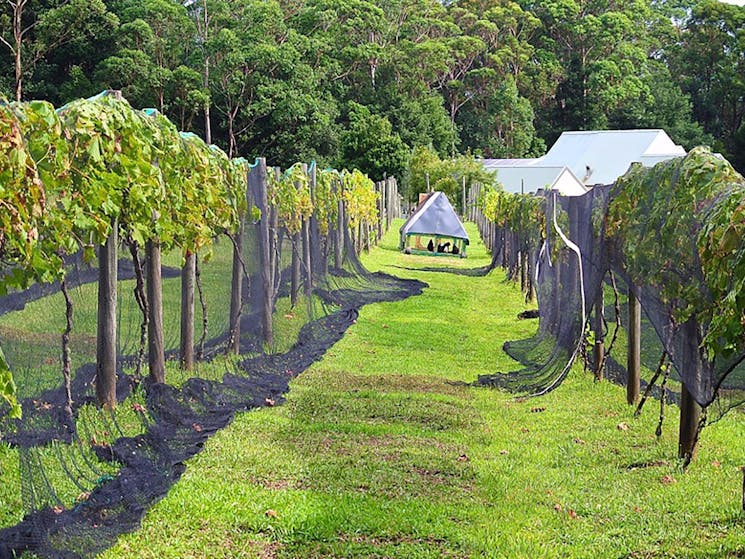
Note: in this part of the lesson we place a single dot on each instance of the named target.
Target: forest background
(372, 83)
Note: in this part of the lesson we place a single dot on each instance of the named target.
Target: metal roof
(527, 178)
(601, 156)
(593, 156)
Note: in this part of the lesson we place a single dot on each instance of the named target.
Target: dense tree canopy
(371, 80)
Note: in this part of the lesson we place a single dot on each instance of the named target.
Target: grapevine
(290, 194)
(326, 199)
(360, 197)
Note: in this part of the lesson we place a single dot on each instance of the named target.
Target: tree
(601, 48)
(30, 33)
(370, 145)
(427, 170)
(151, 48)
(500, 124)
(708, 63)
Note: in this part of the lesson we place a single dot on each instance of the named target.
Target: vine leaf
(8, 388)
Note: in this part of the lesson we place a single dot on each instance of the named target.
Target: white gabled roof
(601, 156)
(435, 217)
(591, 157)
(528, 175)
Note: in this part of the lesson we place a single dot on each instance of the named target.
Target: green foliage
(360, 197)
(290, 194)
(384, 450)
(371, 145)
(523, 214)
(326, 199)
(680, 227)
(8, 388)
(71, 174)
(22, 197)
(446, 175)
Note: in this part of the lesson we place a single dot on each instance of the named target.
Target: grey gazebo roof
(435, 216)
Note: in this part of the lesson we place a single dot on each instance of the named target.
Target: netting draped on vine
(673, 235)
(74, 476)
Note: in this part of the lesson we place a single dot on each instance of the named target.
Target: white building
(581, 159)
(527, 176)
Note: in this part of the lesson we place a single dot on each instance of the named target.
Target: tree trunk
(206, 77)
(18, 48)
(156, 350)
(187, 312)
(106, 329)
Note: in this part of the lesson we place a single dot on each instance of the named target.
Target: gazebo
(434, 229)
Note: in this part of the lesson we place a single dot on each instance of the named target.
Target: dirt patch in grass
(378, 547)
(390, 466)
(371, 407)
(399, 383)
(274, 484)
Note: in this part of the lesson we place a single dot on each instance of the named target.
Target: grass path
(379, 453)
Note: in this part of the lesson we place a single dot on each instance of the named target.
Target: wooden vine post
(106, 328)
(599, 349)
(257, 183)
(188, 273)
(236, 290)
(156, 349)
(305, 231)
(339, 233)
(380, 188)
(295, 267)
(318, 258)
(633, 362)
(690, 410)
(389, 188)
(690, 417)
(273, 235)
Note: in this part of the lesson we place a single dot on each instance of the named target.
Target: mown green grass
(383, 450)
(31, 338)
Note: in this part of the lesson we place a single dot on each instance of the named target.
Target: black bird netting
(74, 475)
(671, 237)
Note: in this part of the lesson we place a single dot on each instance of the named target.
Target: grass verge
(383, 450)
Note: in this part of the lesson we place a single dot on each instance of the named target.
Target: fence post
(236, 290)
(188, 272)
(388, 189)
(633, 362)
(156, 351)
(339, 233)
(106, 327)
(305, 231)
(690, 415)
(273, 239)
(599, 349)
(257, 186)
